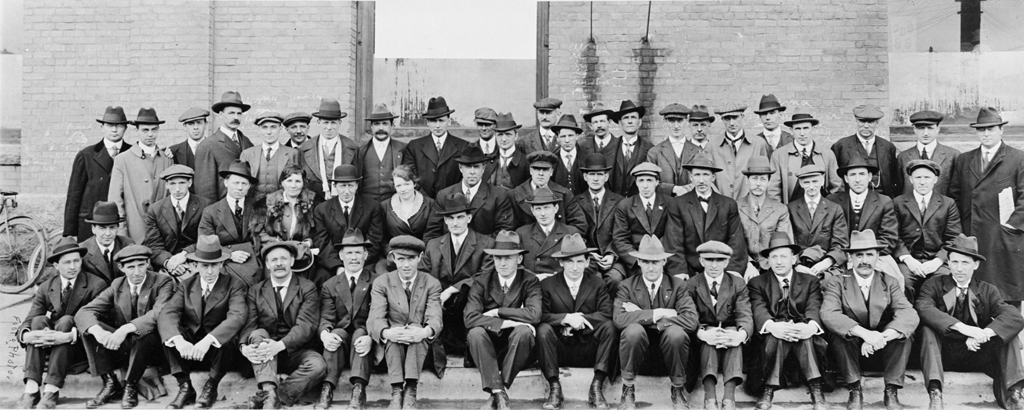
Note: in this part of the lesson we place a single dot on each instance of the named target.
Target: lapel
(854, 298)
(54, 293)
(659, 209)
(724, 293)
(714, 202)
(449, 149)
(218, 292)
(360, 294)
(933, 206)
(495, 285)
(775, 292)
(341, 288)
(802, 213)
(124, 299)
(95, 256)
(227, 219)
(819, 214)
(513, 290)
(293, 290)
(641, 214)
(103, 158)
(586, 288)
(395, 151)
(230, 145)
(910, 203)
(482, 192)
(563, 292)
(446, 258)
(192, 210)
(879, 300)
(869, 209)
(310, 156)
(169, 214)
(339, 216)
(996, 159)
(665, 291)
(271, 298)
(972, 296)
(557, 232)
(641, 294)
(357, 210)
(468, 246)
(691, 202)
(607, 206)
(430, 150)
(669, 155)
(704, 294)
(588, 206)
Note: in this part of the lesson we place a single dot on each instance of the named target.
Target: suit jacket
(631, 224)
(329, 228)
(340, 308)
(493, 211)
(518, 170)
(592, 300)
(733, 307)
(222, 315)
(943, 155)
(218, 219)
(215, 154)
(460, 271)
(587, 144)
(599, 224)
(522, 212)
(672, 294)
(301, 313)
(269, 178)
(786, 161)
(890, 175)
(94, 263)
(844, 307)
(688, 227)
(522, 303)
(135, 184)
(672, 173)
(804, 299)
(758, 226)
(492, 161)
(46, 300)
(113, 305)
(571, 179)
(390, 307)
(530, 141)
(621, 181)
(89, 183)
(163, 235)
(183, 154)
(923, 236)
(437, 170)
(730, 181)
(395, 149)
(785, 138)
(541, 247)
(311, 159)
(987, 308)
(828, 228)
(877, 214)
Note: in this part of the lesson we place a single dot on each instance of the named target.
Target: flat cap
(810, 171)
(923, 163)
(193, 114)
(867, 112)
(485, 114)
(542, 159)
(132, 252)
(714, 249)
(297, 117)
(177, 170)
(406, 245)
(290, 246)
(269, 117)
(646, 168)
(926, 117)
(731, 110)
(548, 104)
(675, 110)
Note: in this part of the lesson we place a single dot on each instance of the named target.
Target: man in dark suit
(194, 121)
(405, 317)
(878, 151)
(567, 170)
(926, 128)
(104, 243)
(511, 168)
(49, 326)
(639, 215)
(278, 336)
(631, 149)
(703, 215)
(968, 327)
(432, 156)
(542, 164)
(297, 124)
(320, 155)
(172, 223)
(819, 224)
(455, 258)
(344, 307)
(229, 218)
(785, 305)
(503, 307)
(486, 120)
(598, 206)
(90, 173)
(600, 139)
(927, 222)
(544, 138)
(199, 325)
(216, 153)
(576, 326)
(770, 112)
(653, 308)
(542, 238)
(331, 219)
(119, 326)
(673, 152)
(871, 321)
(377, 158)
(267, 159)
(724, 324)
(492, 206)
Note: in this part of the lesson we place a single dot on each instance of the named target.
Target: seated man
(117, 337)
(344, 307)
(818, 223)
(598, 206)
(576, 327)
(405, 316)
(49, 326)
(105, 242)
(871, 321)
(928, 221)
(278, 335)
(172, 223)
(724, 323)
(760, 215)
(200, 324)
(542, 237)
(335, 216)
(969, 327)
(542, 164)
(492, 206)
(229, 218)
(639, 215)
(653, 308)
(503, 307)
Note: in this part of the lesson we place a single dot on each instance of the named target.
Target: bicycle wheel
(22, 252)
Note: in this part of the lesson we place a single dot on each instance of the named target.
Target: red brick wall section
(826, 56)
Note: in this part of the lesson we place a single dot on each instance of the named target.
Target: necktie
(437, 144)
(865, 290)
(345, 211)
(280, 295)
(811, 206)
(505, 160)
(984, 160)
(867, 147)
(785, 289)
(106, 255)
(961, 297)
(714, 290)
(238, 211)
(234, 139)
(329, 159)
(134, 301)
(704, 202)
(924, 153)
(627, 150)
(652, 295)
(805, 158)
(110, 262)
(733, 144)
(268, 154)
(179, 213)
(408, 291)
(568, 162)
(206, 293)
(469, 198)
(650, 214)
(574, 289)
(64, 294)
(924, 206)
(504, 288)
(352, 284)
(597, 210)
(113, 151)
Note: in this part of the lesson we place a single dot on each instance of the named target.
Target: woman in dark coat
(406, 212)
(285, 214)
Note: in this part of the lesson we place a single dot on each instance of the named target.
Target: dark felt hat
(758, 166)
(542, 159)
(208, 250)
(472, 154)
(380, 113)
(345, 173)
(506, 243)
(779, 239)
(113, 115)
(701, 161)
(453, 204)
(147, 116)
(506, 123)
(303, 258)
(700, 113)
(858, 161)
(544, 196)
(105, 213)
(967, 245)
(769, 103)
(626, 107)
(240, 168)
(353, 237)
(594, 162)
(988, 117)
(65, 246)
(230, 99)
(437, 108)
(598, 109)
(330, 109)
(567, 122)
(799, 117)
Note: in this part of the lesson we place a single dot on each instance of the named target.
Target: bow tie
(703, 199)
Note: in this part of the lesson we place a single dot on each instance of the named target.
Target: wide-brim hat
(290, 246)
(472, 154)
(104, 213)
(595, 162)
(380, 113)
(858, 161)
(345, 173)
(330, 109)
(147, 116)
(113, 115)
(544, 196)
(240, 168)
(437, 107)
(758, 166)
(701, 113)
(353, 237)
(988, 117)
(769, 103)
(779, 240)
(701, 161)
(506, 243)
(453, 204)
(800, 117)
(65, 246)
(862, 241)
(572, 245)
(626, 107)
(650, 249)
(598, 109)
(208, 250)
(967, 245)
(567, 122)
(230, 99)
(506, 123)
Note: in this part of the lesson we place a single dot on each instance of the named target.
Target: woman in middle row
(405, 213)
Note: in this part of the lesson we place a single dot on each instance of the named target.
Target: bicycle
(23, 247)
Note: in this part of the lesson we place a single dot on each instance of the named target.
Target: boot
(273, 401)
(817, 397)
(1015, 398)
(326, 396)
(186, 395)
(628, 401)
(679, 399)
(28, 400)
(935, 396)
(256, 401)
(555, 397)
(728, 404)
(111, 391)
(131, 395)
(501, 401)
(358, 396)
(409, 401)
(209, 394)
(596, 397)
(711, 404)
(765, 402)
(396, 397)
(891, 399)
(856, 401)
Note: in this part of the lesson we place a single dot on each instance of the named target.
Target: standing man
(229, 218)
(871, 321)
(297, 124)
(598, 206)
(600, 139)
(334, 217)
(984, 179)
(376, 159)
(320, 155)
(511, 169)
(486, 121)
(134, 184)
(104, 242)
(787, 160)
(545, 234)
(631, 150)
(268, 159)
(733, 151)
(770, 112)
(194, 121)
(172, 223)
(567, 172)
(928, 221)
(867, 145)
(760, 216)
(818, 223)
(433, 156)
(541, 165)
(673, 152)
(216, 153)
(926, 128)
(638, 216)
(700, 125)
(492, 208)
(867, 210)
(543, 138)
(90, 174)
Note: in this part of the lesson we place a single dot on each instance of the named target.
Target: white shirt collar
(858, 199)
(234, 203)
(460, 239)
(381, 146)
(442, 138)
(327, 144)
(992, 151)
(183, 202)
(564, 154)
(273, 148)
(104, 248)
(108, 144)
(508, 282)
(350, 205)
(411, 282)
(472, 189)
(626, 140)
(603, 141)
(927, 197)
(816, 201)
(649, 201)
(487, 146)
(862, 282)
(573, 283)
(711, 282)
(229, 132)
(547, 229)
(734, 138)
(657, 283)
(208, 286)
(149, 151)
(64, 282)
(509, 152)
(776, 133)
(702, 145)
(349, 276)
(930, 146)
(599, 195)
(800, 148)
(781, 278)
(193, 143)
(286, 283)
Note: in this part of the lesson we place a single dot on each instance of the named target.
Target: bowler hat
(177, 171)
(437, 108)
(627, 107)
(645, 168)
(769, 103)
(147, 116)
(506, 243)
(506, 123)
(675, 110)
(208, 250)
(132, 252)
(650, 249)
(594, 162)
(923, 163)
(858, 161)
(758, 166)
(568, 122)
(297, 117)
(542, 159)
(700, 113)
(240, 168)
(330, 109)
(988, 117)
(454, 203)
(230, 99)
(868, 112)
(967, 245)
(809, 171)
(380, 113)
(485, 115)
(777, 240)
(269, 117)
(192, 114)
(572, 245)
(65, 246)
(544, 196)
(925, 117)
(472, 154)
(714, 249)
(353, 237)
(290, 246)
(598, 109)
(731, 110)
(863, 240)
(345, 173)
(548, 104)
(799, 117)
(113, 115)
(406, 245)
(105, 213)
(701, 161)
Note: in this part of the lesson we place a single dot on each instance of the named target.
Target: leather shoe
(358, 399)
(891, 398)
(111, 391)
(273, 401)
(256, 401)
(326, 396)
(856, 401)
(409, 401)
(49, 400)
(501, 401)
(679, 399)
(765, 402)
(186, 395)
(596, 396)
(728, 404)
(396, 397)
(28, 400)
(934, 398)
(817, 397)
(711, 404)
(555, 398)
(209, 394)
(1015, 400)
(131, 395)
(628, 401)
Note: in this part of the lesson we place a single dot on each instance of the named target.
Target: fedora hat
(863, 240)
(988, 117)
(291, 246)
(506, 123)
(567, 122)
(858, 161)
(506, 243)
(595, 162)
(297, 117)
(701, 161)
(967, 245)
(472, 154)
(330, 109)
(353, 237)
(453, 204)
(230, 99)
(799, 117)
(437, 108)
(700, 113)
(769, 103)
(544, 196)
(758, 166)
(650, 249)
(65, 246)
(240, 168)
(105, 213)
(572, 245)
(113, 115)
(192, 114)
(303, 258)
(208, 250)
(777, 240)
(598, 109)
(626, 107)
(380, 113)
(345, 173)
(147, 116)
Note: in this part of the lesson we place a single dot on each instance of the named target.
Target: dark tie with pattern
(408, 291)
(650, 214)
(785, 289)
(110, 262)
(268, 154)
(714, 289)
(924, 153)
(238, 211)
(352, 285)
(345, 211)
(806, 159)
(651, 294)
(134, 301)
(597, 210)
(329, 160)
(924, 207)
(64, 295)
(504, 288)
(179, 214)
